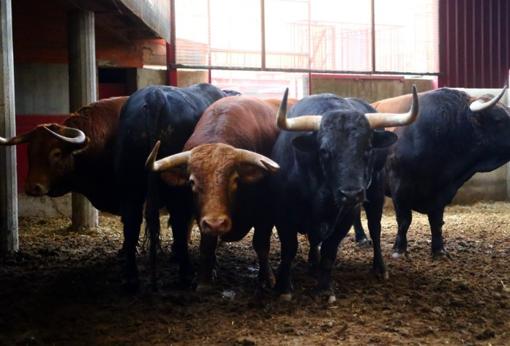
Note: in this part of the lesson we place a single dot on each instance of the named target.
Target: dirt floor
(64, 288)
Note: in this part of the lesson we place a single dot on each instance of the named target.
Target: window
(338, 36)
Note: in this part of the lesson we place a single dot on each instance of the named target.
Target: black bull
(168, 114)
(454, 137)
(325, 174)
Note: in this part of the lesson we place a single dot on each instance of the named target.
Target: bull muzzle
(36, 189)
(215, 225)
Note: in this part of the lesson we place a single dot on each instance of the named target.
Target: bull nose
(36, 190)
(215, 224)
(352, 195)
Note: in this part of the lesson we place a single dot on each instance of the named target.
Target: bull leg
(329, 249)
(436, 224)
(374, 209)
(359, 232)
(288, 244)
(314, 258)
(261, 245)
(208, 245)
(173, 248)
(132, 219)
(404, 218)
(374, 215)
(180, 221)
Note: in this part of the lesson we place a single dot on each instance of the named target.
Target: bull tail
(155, 102)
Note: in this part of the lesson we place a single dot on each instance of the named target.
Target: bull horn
(167, 162)
(71, 135)
(257, 160)
(379, 120)
(17, 139)
(301, 123)
(480, 105)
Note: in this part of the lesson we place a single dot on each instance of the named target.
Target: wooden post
(82, 91)
(8, 181)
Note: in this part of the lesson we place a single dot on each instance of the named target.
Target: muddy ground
(64, 288)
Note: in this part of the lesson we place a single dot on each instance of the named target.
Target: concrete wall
(145, 77)
(366, 88)
(42, 88)
(188, 77)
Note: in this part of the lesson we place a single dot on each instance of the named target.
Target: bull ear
(383, 139)
(83, 148)
(249, 173)
(306, 143)
(176, 176)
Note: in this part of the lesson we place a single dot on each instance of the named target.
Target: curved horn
(167, 162)
(257, 159)
(71, 135)
(301, 123)
(480, 105)
(378, 120)
(23, 138)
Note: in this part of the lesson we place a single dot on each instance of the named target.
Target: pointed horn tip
(281, 115)
(271, 166)
(151, 160)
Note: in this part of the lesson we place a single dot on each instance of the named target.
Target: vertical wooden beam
(8, 181)
(82, 91)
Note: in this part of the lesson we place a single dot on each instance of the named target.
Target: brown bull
(225, 162)
(76, 156)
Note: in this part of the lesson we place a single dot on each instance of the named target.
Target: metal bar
(297, 70)
(372, 32)
(457, 39)
(263, 34)
(473, 71)
(171, 59)
(9, 241)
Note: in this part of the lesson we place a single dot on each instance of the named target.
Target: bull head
(342, 141)
(50, 157)
(213, 171)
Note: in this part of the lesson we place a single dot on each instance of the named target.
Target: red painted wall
(474, 43)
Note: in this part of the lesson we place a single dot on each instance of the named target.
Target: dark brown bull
(76, 156)
(224, 163)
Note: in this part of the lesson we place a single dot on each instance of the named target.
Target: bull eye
(324, 154)
(55, 155)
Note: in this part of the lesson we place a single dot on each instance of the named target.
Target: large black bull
(454, 138)
(327, 157)
(168, 114)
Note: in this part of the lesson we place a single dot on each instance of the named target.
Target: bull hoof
(331, 299)
(286, 297)
(364, 243)
(267, 282)
(440, 254)
(313, 270)
(398, 255)
(380, 274)
(204, 288)
(131, 286)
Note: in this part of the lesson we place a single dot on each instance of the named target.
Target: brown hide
(53, 163)
(214, 169)
(399, 104)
